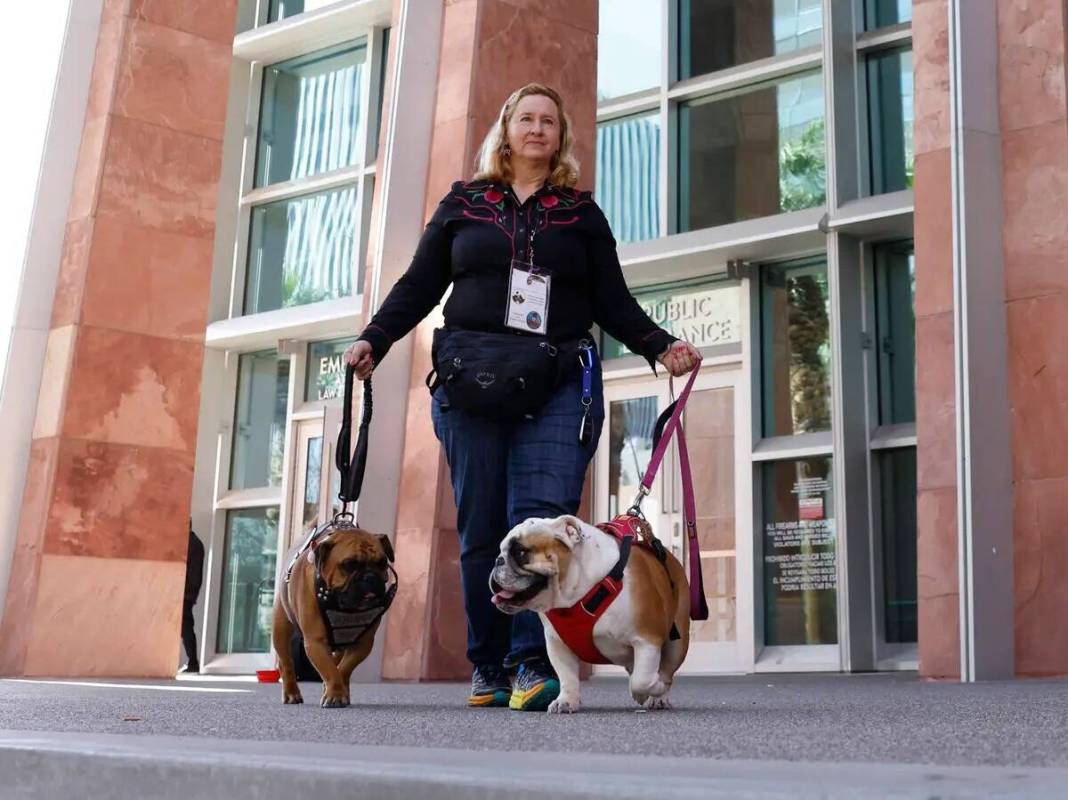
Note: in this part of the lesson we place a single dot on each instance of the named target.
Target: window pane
(897, 475)
(891, 118)
(880, 13)
(310, 115)
(716, 34)
(752, 154)
(705, 314)
(247, 597)
(302, 250)
(259, 421)
(312, 474)
(284, 9)
(895, 320)
(628, 176)
(800, 573)
(796, 348)
(326, 373)
(630, 444)
(628, 47)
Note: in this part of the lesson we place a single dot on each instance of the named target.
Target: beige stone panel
(1031, 76)
(1038, 386)
(1040, 562)
(930, 47)
(106, 617)
(937, 583)
(26, 563)
(935, 403)
(54, 376)
(174, 79)
(1034, 165)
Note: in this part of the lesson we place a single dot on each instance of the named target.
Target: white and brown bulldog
(550, 564)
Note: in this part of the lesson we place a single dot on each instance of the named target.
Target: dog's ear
(570, 529)
(321, 549)
(387, 546)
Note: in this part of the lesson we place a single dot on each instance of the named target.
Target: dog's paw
(657, 703)
(563, 706)
(292, 698)
(334, 701)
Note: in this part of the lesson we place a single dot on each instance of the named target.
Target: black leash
(352, 466)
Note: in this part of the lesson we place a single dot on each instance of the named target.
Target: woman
(528, 255)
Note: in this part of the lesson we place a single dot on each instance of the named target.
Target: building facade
(850, 207)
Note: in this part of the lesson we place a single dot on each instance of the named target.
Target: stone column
(1034, 155)
(488, 49)
(939, 598)
(97, 577)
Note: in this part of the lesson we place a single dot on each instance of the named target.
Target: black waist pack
(495, 375)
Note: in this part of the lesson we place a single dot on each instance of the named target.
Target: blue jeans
(502, 474)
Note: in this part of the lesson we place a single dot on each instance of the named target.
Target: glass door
(713, 415)
(314, 497)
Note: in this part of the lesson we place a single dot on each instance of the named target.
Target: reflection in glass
(800, 572)
(709, 421)
(891, 121)
(630, 445)
(895, 322)
(259, 421)
(312, 474)
(247, 593)
(326, 372)
(310, 115)
(301, 250)
(284, 9)
(628, 176)
(796, 348)
(897, 476)
(716, 34)
(752, 154)
(628, 47)
(880, 13)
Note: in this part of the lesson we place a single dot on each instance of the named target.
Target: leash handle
(352, 464)
(669, 424)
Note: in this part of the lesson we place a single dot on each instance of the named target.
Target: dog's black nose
(499, 562)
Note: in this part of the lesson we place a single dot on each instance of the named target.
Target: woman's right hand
(359, 355)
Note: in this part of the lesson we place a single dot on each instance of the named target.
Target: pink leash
(669, 423)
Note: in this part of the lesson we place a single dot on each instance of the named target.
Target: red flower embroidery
(549, 200)
(493, 196)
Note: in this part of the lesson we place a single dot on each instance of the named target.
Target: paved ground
(829, 718)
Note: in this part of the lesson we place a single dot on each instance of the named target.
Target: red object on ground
(268, 675)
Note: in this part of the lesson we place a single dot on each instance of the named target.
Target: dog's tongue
(501, 596)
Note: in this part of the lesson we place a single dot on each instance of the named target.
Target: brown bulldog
(335, 590)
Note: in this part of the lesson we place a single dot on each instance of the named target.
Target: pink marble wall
(1034, 130)
(97, 580)
(488, 49)
(939, 637)
(1034, 126)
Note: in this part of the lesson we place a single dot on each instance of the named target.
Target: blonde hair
(494, 160)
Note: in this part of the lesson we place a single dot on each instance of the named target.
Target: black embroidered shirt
(470, 242)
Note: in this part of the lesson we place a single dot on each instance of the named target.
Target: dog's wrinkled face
(356, 563)
(535, 557)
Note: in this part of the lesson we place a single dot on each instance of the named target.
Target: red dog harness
(575, 624)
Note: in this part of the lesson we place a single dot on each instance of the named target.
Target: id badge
(528, 298)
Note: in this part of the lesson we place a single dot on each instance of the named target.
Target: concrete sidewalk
(751, 736)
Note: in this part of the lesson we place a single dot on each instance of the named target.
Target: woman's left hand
(680, 358)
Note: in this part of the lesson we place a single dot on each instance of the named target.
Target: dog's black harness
(351, 610)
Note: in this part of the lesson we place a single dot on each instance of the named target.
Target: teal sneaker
(489, 687)
(535, 686)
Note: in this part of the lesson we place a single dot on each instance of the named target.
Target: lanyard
(586, 360)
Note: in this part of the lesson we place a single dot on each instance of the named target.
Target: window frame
(361, 176)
